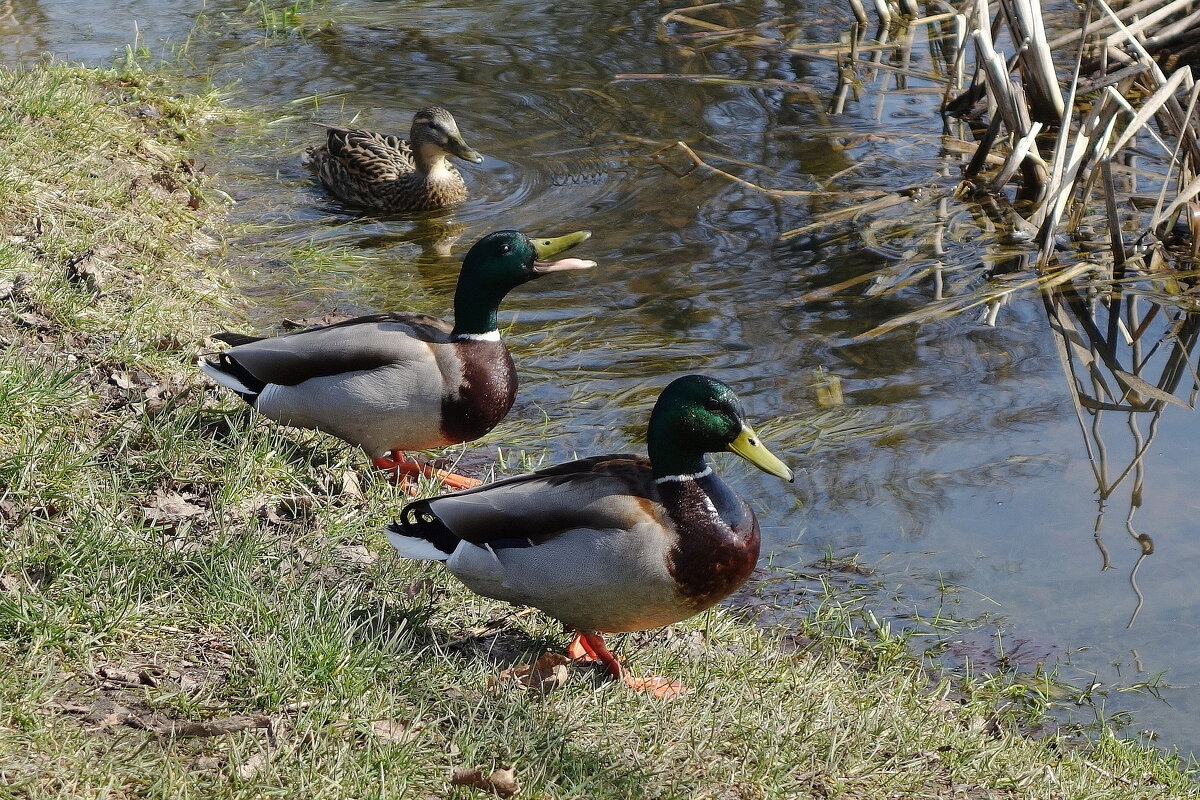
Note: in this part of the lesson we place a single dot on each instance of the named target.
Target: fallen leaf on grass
(32, 320)
(542, 676)
(390, 730)
(215, 727)
(118, 676)
(127, 380)
(82, 269)
(501, 782)
(253, 765)
(351, 485)
(171, 506)
(160, 395)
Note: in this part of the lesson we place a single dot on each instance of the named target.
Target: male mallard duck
(399, 381)
(610, 543)
(386, 173)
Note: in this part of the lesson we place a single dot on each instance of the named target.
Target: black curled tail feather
(230, 366)
(418, 521)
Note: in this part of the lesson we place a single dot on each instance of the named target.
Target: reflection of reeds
(1128, 359)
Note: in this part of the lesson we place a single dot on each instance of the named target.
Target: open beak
(748, 446)
(548, 248)
(459, 148)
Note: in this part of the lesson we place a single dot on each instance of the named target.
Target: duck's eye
(505, 249)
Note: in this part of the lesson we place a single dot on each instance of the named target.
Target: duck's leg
(591, 647)
(400, 467)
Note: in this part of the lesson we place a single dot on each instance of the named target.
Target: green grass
(169, 557)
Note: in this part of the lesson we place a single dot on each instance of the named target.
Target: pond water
(956, 471)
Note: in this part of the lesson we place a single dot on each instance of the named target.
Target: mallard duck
(610, 543)
(385, 173)
(399, 381)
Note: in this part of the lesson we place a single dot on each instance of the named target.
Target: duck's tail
(223, 369)
(420, 534)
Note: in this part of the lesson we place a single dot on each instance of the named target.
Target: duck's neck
(475, 316)
(671, 462)
(432, 161)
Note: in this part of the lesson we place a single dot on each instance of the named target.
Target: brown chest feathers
(718, 542)
(487, 391)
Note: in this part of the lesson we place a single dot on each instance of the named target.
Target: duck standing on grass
(612, 543)
(399, 381)
(377, 172)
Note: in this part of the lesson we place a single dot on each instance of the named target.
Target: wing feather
(602, 492)
(370, 156)
(363, 343)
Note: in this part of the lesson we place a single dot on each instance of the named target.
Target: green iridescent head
(500, 262)
(695, 415)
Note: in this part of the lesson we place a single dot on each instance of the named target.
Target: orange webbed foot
(401, 468)
(591, 647)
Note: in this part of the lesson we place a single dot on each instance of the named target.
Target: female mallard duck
(610, 543)
(399, 381)
(386, 173)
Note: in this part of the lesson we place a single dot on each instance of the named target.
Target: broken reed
(1118, 89)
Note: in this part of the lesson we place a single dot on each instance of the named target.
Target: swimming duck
(386, 173)
(610, 543)
(399, 381)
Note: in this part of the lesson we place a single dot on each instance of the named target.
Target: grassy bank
(196, 604)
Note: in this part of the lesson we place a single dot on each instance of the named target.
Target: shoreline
(175, 561)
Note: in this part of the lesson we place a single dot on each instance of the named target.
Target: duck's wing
(587, 542)
(354, 345)
(370, 156)
(600, 493)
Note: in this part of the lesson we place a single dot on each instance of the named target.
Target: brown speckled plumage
(379, 172)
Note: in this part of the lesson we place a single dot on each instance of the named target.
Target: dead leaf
(253, 765)
(292, 508)
(118, 676)
(15, 289)
(390, 730)
(354, 553)
(122, 380)
(206, 763)
(543, 676)
(171, 505)
(160, 394)
(502, 782)
(82, 269)
(215, 727)
(150, 675)
(108, 714)
(35, 321)
(351, 485)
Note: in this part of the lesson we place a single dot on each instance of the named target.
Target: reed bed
(1088, 166)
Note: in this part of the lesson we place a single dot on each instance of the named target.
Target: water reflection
(1130, 358)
